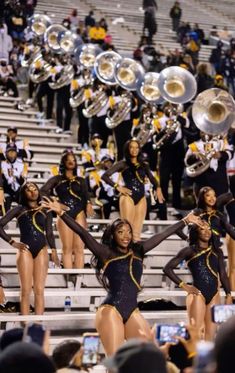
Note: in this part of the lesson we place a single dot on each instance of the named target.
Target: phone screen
(222, 312)
(34, 333)
(167, 332)
(90, 349)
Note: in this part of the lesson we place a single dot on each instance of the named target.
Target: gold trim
(114, 259)
(208, 264)
(131, 274)
(35, 224)
(110, 306)
(199, 254)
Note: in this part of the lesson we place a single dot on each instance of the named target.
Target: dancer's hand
(52, 205)
(159, 195)
(193, 219)
(55, 258)
(190, 289)
(123, 190)
(20, 246)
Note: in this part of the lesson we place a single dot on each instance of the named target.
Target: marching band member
(23, 148)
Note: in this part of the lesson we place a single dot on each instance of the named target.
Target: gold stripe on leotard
(130, 265)
(208, 264)
(199, 254)
(35, 223)
(131, 274)
(117, 258)
(28, 210)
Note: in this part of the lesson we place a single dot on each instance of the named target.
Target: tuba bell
(149, 92)
(128, 74)
(177, 85)
(39, 70)
(105, 67)
(213, 113)
(38, 24)
(52, 37)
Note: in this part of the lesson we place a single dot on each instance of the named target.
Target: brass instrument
(78, 92)
(63, 77)
(38, 24)
(52, 37)
(105, 67)
(177, 85)
(213, 113)
(85, 55)
(95, 104)
(39, 70)
(128, 73)
(117, 115)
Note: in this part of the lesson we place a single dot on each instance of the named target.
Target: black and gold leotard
(123, 271)
(35, 228)
(207, 268)
(71, 192)
(133, 177)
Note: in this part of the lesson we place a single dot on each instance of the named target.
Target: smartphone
(34, 333)
(168, 332)
(91, 343)
(222, 312)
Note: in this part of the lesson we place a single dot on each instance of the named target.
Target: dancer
(72, 192)
(132, 202)
(206, 264)
(32, 258)
(120, 261)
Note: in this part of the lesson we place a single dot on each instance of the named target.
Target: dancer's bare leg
(140, 213)
(210, 327)
(196, 311)
(137, 327)
(231, 261)
(110, 327)
(66, 236)
(40, 269)
(24, 262)
(127, 209)
(78, 245)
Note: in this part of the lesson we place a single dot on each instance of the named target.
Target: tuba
(128, 74)
(39, 70)
(77, 92)
(95, 104)
(177, 86)
(38, 24)
(149, 92)
(213, 113)
(62, 77)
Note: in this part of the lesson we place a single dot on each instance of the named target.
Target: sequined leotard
(35, 228)
(123, 271)
(133, 177)
(207, 268)
(71, 192)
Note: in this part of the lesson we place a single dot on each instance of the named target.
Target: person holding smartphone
(32, 258)
(206, 264)
(118, 261)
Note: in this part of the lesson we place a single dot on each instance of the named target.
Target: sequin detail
(124, 275)
(69, 192)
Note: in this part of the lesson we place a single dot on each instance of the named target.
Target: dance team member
(206, 264)
(132, 201)
(35, 226)
(72, 192)
(119, 264)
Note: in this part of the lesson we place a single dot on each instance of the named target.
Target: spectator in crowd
(150, 5)
(97, 34)
(7, 78)
(225, 347)
(74, 20)
(64, 352)
(175, 15)
(213, 35)
(25, 357)
(103, 23)
(200, 33)
(204, 79)
(192, 47)
(219, 82)
(90, 20)
(149, 24)
(137, 356)
(224, 34)
(216, 57)
(107, 44)
(5, 42)
(17, 23)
